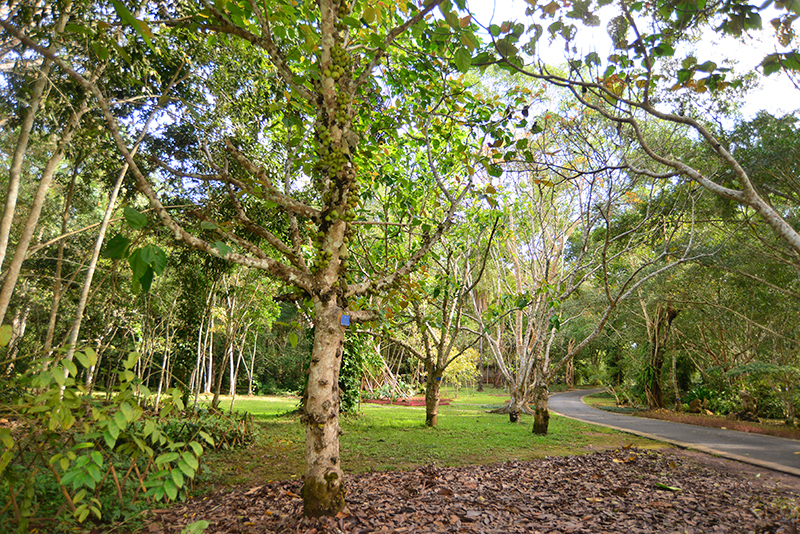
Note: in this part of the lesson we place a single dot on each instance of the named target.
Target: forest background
(336, 199)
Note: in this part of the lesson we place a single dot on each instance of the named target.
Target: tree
(290, 172)
(634, 85)
(574, 220)
(437, 299)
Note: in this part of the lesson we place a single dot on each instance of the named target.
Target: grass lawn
(385, 437)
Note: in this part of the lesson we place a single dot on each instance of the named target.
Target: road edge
(689, 446)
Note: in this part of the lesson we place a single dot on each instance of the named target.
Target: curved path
(780, 454)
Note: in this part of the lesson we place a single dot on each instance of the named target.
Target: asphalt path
(780, 454)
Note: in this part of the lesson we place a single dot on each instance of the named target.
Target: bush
(224, 431)
(68, 457)
(720, 401)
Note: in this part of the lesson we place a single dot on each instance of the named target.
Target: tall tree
(573, 216)
(635, 86)
(288, 159)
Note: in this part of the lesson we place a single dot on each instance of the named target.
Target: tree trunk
(659, 334)
(18, 325)
(35, 210)
(323, 489)
(252, 370)
(433, 386)
(221, 373)
(480, 364)
(541, 415)
(569, 374)
(57, 293)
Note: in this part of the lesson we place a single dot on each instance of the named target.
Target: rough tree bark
(659, 330)
(324, 488)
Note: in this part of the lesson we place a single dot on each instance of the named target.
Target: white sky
(777, 95)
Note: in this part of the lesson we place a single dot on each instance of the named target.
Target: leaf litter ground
(627, 490)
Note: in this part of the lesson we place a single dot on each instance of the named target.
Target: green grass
(384, 437)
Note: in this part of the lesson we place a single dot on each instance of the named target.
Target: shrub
(68, 457)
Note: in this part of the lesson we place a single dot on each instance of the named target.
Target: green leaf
(120, 421)
(149, 426)
(82, 359)
(470, 41)
(196, 447)
(167, 457)
(133, 357)
(101, 50)
(593, 59)
(139, 26)
(5, 459)
(190, 460)
(109, 436)
(138, 265)
(170, 489)
(70, 477)
(463, 59)
(205, 435)
(71, 367)
(5, 334)
(452, 19)
(659, 485)
(147, 280)
(91, 355)
(185, 468)
(663, 49)
(177, 477)
(147, 254)
(127, 412)
(293, 339)
(135, 220)
(208, 225)
(160, 261)
(223, 249)
(77, 28)
(708, 66)
(95, 474)
(58, 375)
(5, 438)
(198, 527)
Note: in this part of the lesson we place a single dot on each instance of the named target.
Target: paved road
(780, 454)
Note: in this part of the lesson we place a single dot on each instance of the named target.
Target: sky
(776, 94)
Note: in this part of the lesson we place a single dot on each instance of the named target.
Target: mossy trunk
(323, 489)
(432, 395)
(659, 336)
(541, 415)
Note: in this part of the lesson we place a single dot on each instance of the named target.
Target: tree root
(507, 409)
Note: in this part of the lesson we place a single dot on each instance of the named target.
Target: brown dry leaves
(628, 491)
